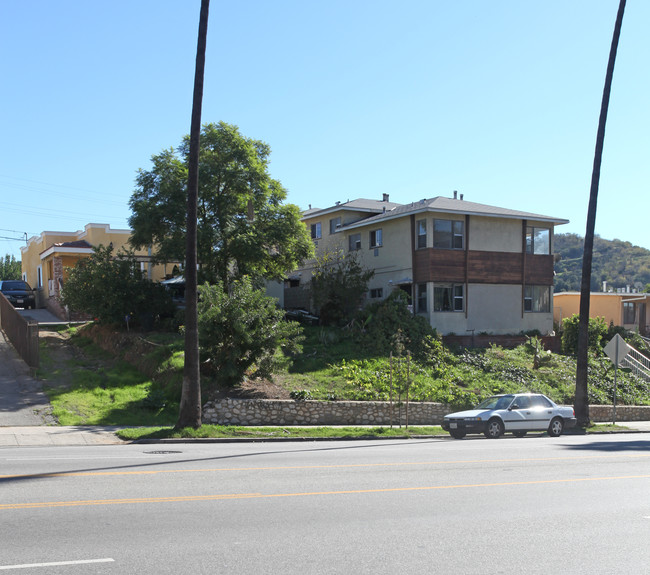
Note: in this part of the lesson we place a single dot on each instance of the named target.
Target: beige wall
(495, 234)
(492, 309)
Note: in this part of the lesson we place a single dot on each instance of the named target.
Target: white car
(517, 413)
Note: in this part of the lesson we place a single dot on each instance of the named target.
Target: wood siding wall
(437, 265)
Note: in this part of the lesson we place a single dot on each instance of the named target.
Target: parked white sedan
(517, 413)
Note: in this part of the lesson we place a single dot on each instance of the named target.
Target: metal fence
(21, 333)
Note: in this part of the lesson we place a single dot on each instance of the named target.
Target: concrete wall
(290, 412)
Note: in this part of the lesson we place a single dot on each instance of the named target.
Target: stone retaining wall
(290, 412)
(623, 413)
(309, 412)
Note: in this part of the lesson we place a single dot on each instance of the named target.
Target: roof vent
(338, 203)
(455, 194)
(385, 198)
(461, 196)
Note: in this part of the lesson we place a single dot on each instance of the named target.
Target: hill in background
(616, 262)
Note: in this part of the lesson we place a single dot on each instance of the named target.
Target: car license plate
(453, 425)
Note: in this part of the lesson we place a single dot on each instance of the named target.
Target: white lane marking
(56, 564)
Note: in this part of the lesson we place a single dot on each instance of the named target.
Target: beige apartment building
(468, 268)
(47, 258)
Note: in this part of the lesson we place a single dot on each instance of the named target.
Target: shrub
(385, 319)
(597, 331)
(242, 331)
(112, 288)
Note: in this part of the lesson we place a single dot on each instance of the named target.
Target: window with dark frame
(449, 234)
(316, 231)
(422, 297)
(449, 297)
(537, 299)
(421, 240)
(629, 312)
(335, 224)
(354, 241)
(538, 240)
(376, 293)
(375, 238)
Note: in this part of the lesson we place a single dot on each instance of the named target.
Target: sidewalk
(44, 436)
(22, 401)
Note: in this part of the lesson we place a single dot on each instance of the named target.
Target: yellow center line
(192, 498)
(338, 466)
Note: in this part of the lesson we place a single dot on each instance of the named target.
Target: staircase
(638, 363)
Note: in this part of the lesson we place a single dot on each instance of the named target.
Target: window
(540, 401)
(629, 312)
(376, 292)
(538, 240)
(422, 297)
(421, 239)
(335, 224)
(448, 297)
(39, 277)
(375, 239)
(448, 234)
(354, 241)
(537, 298)
(316, 231)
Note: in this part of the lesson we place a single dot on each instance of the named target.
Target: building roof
(440, 204)
(358, 205)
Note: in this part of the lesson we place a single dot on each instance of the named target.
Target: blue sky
(496, 99)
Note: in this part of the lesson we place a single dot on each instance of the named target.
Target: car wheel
(494, 429)
(556, 427)
(457, 434)
(519, 433)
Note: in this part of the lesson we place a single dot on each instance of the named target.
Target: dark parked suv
(18, 293)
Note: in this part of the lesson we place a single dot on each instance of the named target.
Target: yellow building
(465, 267)
(628, 310)
(47, 258)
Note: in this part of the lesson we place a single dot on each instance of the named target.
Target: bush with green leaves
(337, 286)
(597, 331)
(111, 288)
(242, 332)
(383, 320)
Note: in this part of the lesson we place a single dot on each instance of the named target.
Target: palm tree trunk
(581, 404)
(190, 408)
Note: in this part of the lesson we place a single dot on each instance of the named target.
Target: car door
(519, 415)
(542, 411)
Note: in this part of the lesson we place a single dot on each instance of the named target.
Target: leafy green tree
(338, 285)
(598, 330)
(112, 288)
(243, 227)
(9, 268)
(242, 331)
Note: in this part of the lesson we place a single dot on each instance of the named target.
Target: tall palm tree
(581, 404)
(190, 408)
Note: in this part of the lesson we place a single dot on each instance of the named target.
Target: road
(576, 504)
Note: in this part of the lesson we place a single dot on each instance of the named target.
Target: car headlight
(472, 419)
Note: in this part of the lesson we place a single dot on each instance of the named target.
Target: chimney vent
(455, 194)
(385, 198)
(461, 196)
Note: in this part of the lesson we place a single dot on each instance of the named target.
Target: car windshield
(496, 402)
(13, 285)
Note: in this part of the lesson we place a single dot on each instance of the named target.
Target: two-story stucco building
(47, 257)
(466, 267)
